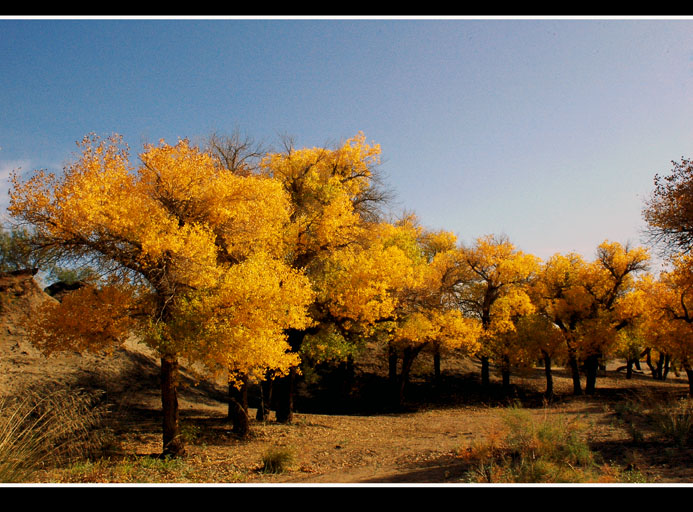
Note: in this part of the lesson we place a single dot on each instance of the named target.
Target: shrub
(549, 450)
(669, 420)
(674, 421)
(277, 460)
(39, 428)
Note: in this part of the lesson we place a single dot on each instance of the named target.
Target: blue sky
(548, 130)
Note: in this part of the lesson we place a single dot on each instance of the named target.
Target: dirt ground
(420, 445)
(417, 446)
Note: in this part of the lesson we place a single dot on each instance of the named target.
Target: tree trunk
(408, 357)
(392, 376)
(575, 372)
(173, 445)
(436, 367)
(238, 407)
(285, 386)
(648, 360)
(548, 393)
(505, 374)
(636, 363)
(347, 373)
(265, 400)
(666, 366)
(689, 374)
(591, 369)
(485, 372)
(392, 358)
(284, 392)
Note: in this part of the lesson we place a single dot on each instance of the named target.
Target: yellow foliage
(496, 277)
(209, 245)
(588, 300)
(667, 321)
(447, 329)
(322, 185)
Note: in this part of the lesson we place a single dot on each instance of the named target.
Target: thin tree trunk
(392, 376)
(689, 374)
(284, 392)
(392, 358)
(347, 372)
(408, 357)
(265, 400)
(437, 374)
(648, 360)
(666, 366)
(659, 367)
(636, 363)
(505, 374)
(548, 393)
(285, 386)
(575, 372)
(173, 445)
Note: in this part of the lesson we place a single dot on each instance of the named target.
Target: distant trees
(16, 252)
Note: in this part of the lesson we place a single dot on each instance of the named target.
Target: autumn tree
(336, 195)
(426, 316)
(669, 210)
(583, 299)
(192, 252)
(493, 288)
(534, 338)
(667, 324)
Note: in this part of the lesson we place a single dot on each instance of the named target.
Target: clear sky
(547, 130)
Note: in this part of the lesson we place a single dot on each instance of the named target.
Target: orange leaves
(90, 318)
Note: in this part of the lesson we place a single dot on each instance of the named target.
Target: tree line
(252, 262)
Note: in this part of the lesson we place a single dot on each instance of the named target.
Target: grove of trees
(255, 263)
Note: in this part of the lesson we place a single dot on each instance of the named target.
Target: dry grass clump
(549, 449)
(662, 418)
(277, 460)
(39, 428)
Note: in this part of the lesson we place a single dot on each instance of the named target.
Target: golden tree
(424, 313)
(583, 300)
(493, 283)
(192, 249)
(667, 320)
(335, 195)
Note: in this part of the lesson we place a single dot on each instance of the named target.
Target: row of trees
(250, 262)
